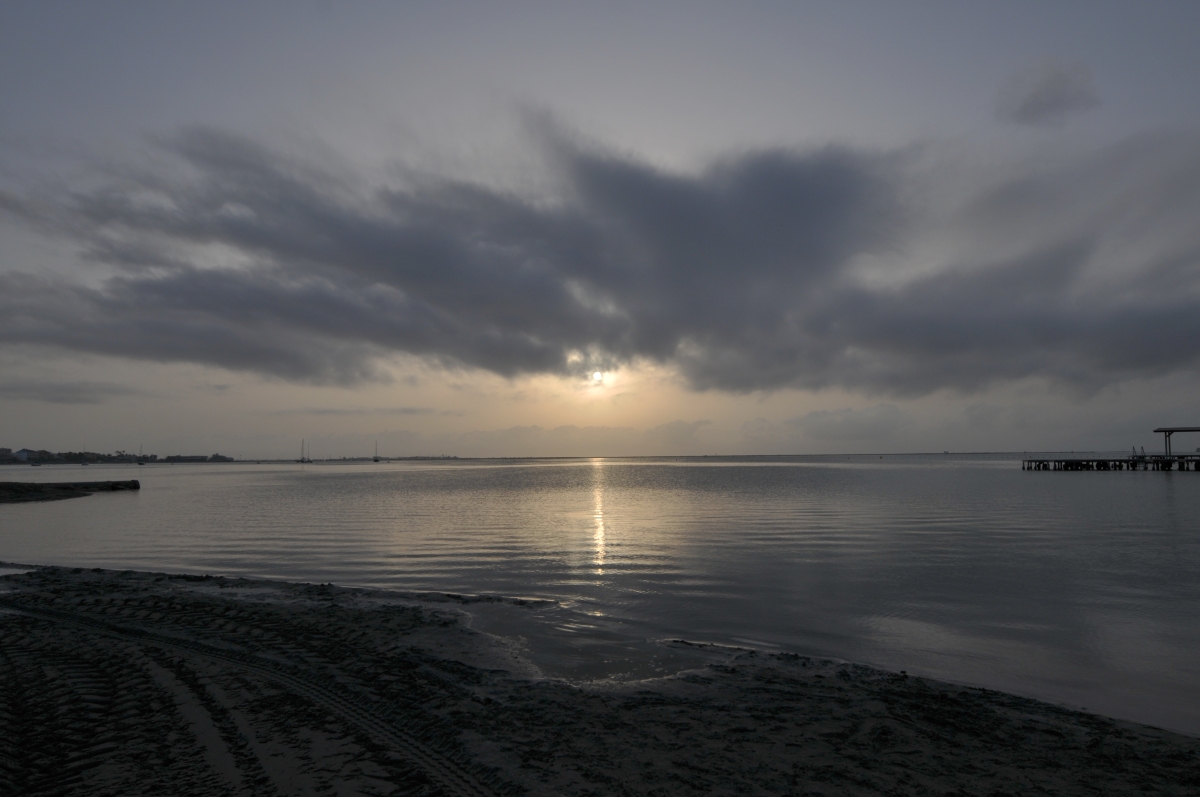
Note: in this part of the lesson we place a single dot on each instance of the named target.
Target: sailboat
(302, 459)
(376, 451)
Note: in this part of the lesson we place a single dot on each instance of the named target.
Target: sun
(597, 377)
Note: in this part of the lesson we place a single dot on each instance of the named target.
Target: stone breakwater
(139, 683)
(20, 492)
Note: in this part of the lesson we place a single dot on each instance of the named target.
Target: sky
(568, 229)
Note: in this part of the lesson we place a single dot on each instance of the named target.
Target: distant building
(24, 455)
(219, 458)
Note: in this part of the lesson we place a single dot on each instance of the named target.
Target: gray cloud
(675, 438)
(356, 411)
(63, 392)
(743, 276)
(676, 435)
(879, 423)
(1047, 94)
(536, 441)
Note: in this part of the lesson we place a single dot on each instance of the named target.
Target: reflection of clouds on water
(598, 514)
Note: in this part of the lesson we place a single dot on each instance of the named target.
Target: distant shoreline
(677, 457)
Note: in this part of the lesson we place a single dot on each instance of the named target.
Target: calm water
(1080, 588)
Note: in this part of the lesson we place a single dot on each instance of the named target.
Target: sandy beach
(147, 684)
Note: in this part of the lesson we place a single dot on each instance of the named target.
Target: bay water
(1078, 588)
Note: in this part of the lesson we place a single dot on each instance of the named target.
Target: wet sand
(148, 684)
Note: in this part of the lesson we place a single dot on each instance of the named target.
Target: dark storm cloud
(744, 276)
(1047, 94)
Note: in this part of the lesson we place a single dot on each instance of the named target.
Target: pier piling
(1135, 461)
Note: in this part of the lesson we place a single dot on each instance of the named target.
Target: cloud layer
(1047, 94)
(765, 270)
(50, 392)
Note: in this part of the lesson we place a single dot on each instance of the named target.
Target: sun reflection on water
(598, 514)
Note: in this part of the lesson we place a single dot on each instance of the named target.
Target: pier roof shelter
(1167, 431)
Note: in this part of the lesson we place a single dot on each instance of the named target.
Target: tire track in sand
(451, 776)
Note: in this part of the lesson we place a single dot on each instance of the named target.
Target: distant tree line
(43, 456)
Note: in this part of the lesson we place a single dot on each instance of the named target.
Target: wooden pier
(1139, 462)
(1143, 461)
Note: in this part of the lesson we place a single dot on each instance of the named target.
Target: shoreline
(153, 683)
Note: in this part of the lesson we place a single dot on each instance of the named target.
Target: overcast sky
(598, 229)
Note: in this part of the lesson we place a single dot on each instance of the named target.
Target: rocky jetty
(20, 492)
